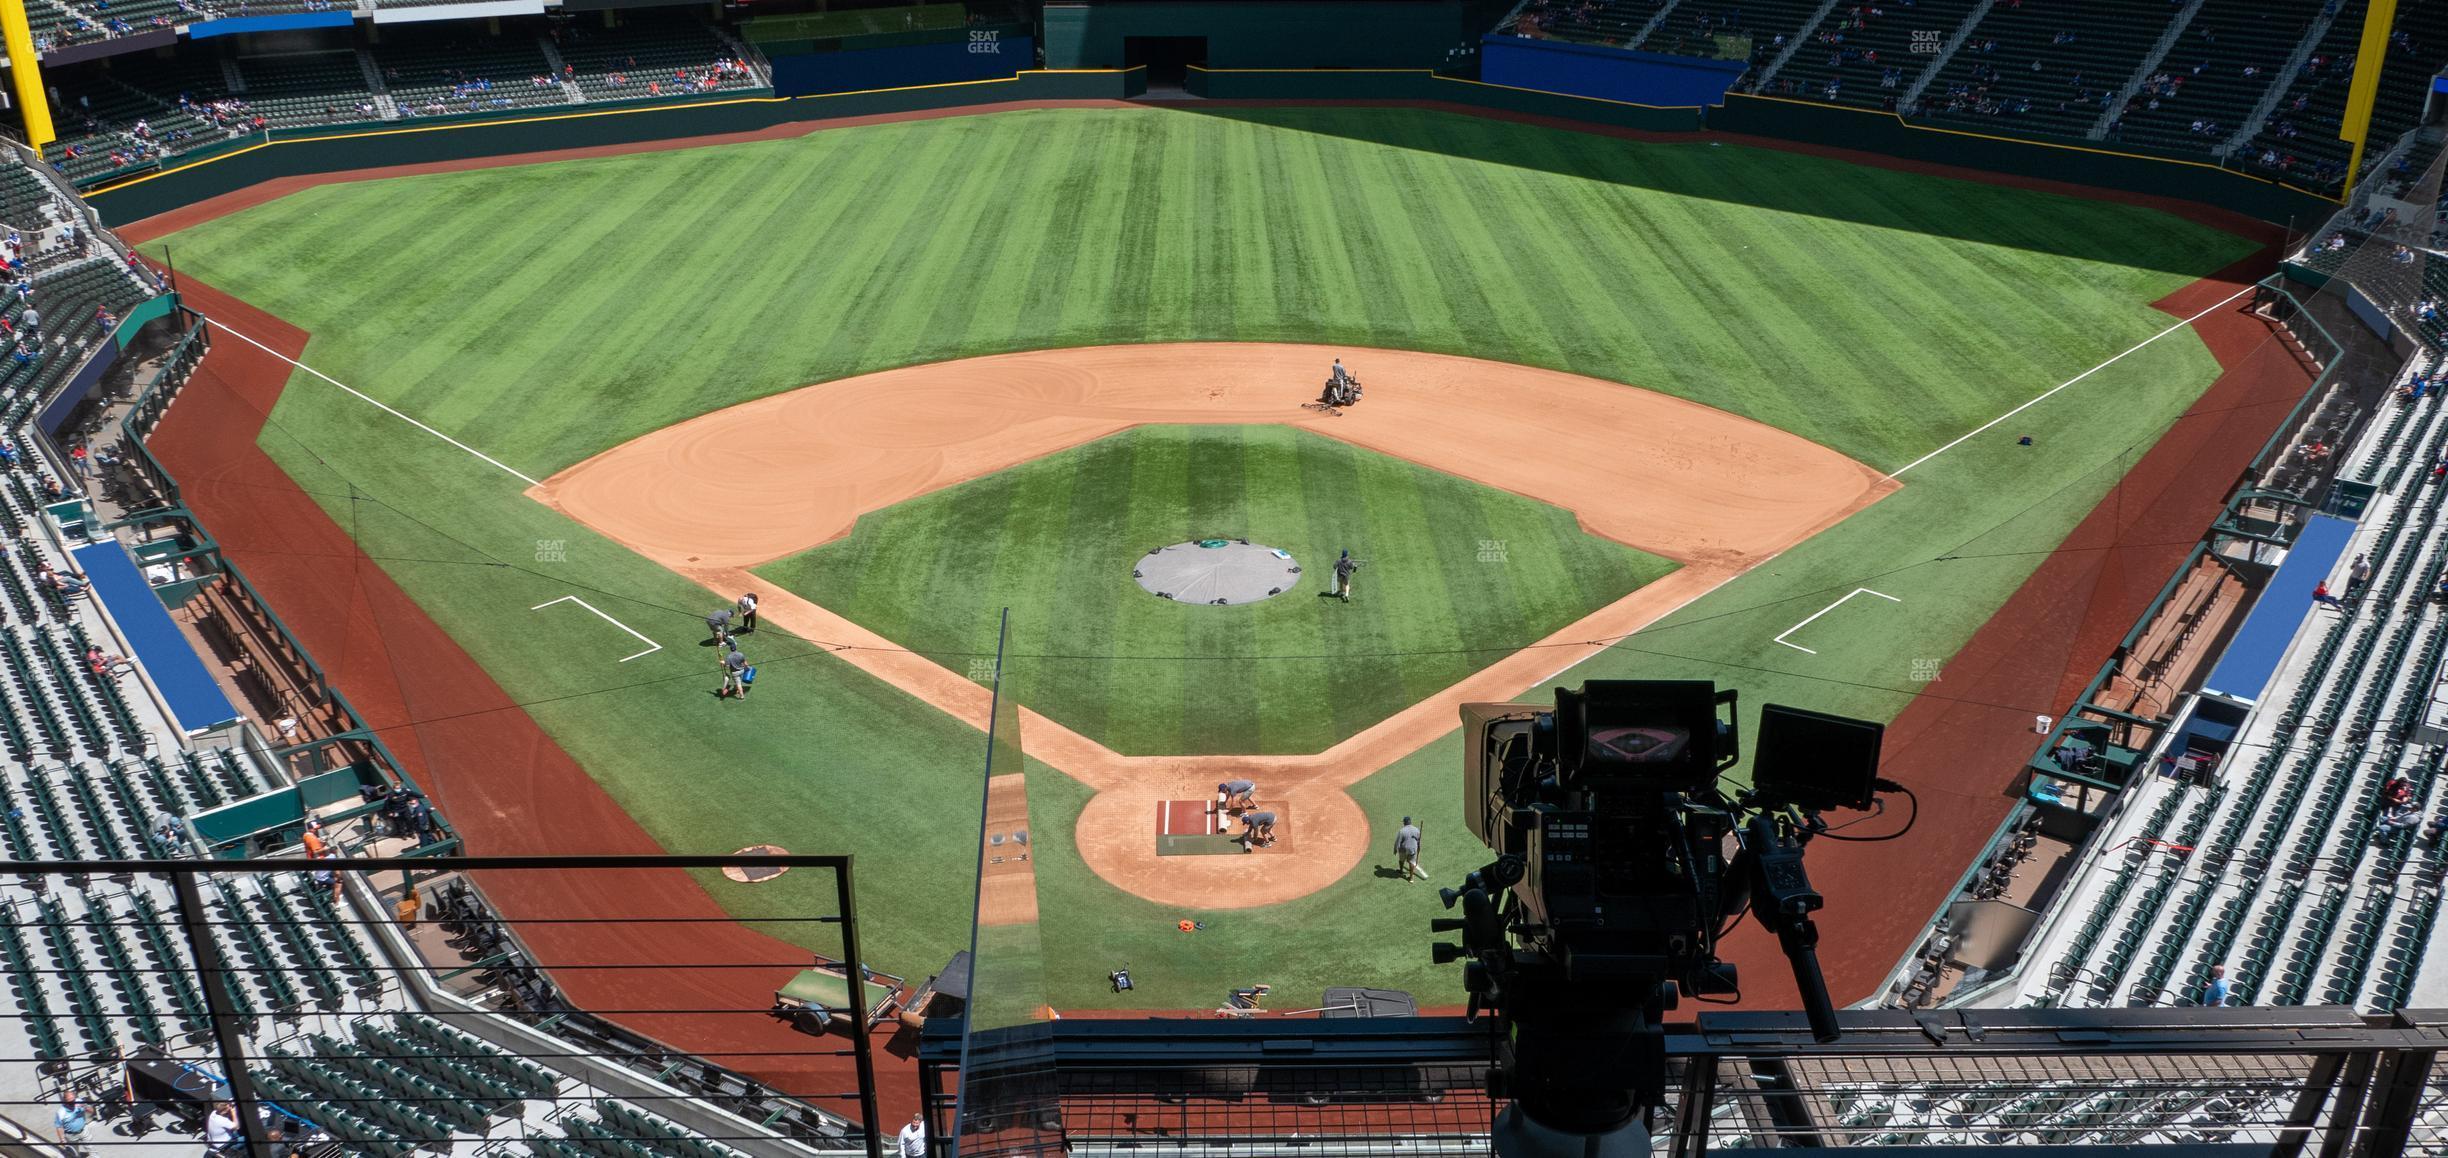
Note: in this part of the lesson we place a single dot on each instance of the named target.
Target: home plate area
(1203, 828)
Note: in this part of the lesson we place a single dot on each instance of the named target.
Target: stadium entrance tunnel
(1167, 58)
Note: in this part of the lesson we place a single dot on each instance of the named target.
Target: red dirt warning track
(490, 766)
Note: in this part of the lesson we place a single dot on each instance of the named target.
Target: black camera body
(1619, 864)
(1606, 800)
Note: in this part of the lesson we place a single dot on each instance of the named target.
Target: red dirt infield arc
(1959, 745)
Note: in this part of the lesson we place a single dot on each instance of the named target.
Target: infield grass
(1055, 540)
(544, 313)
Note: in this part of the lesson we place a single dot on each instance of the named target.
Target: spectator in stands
(2218, 991)
(2433, 831)
(69, 1121)
(2398, 792)
(2397, 819)
(103, 663)
(221, 1132)
(71, 582)
(2358, 574)
(913, 1139)
(316, 846)
(2320, 594)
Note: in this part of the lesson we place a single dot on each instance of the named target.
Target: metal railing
(2274, 1082)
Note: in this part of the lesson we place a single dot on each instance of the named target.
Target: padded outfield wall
(303, 152)
(1889, 134)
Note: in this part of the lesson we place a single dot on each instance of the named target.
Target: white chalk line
(2068, 382)
(1824, 610)
(651, 646)
(378, 405)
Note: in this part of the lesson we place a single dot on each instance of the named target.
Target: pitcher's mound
(1217, 571)
(757, 874)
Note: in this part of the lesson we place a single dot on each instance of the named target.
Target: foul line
(489, 459)
(651, 646)
(1824, 610)
(2214, 307)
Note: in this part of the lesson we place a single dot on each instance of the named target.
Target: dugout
(1166, 36)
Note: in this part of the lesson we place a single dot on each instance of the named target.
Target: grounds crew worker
(1406, 850)
(1343, 569)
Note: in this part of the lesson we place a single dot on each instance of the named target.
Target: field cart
(821, 993)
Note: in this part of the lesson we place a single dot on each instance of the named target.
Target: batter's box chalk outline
(1824, 610)
(651, 646)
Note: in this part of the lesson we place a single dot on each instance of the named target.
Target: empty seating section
(2213, 76)
(434, 72)
(2044, 67)
(1771, 24)
(674, 55)
(1614, 22)
(307, 88)
(2293, 884)
(1864, 54)
(2299, 143)
(130, 114)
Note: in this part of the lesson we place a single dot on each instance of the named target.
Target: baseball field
(1654, 409)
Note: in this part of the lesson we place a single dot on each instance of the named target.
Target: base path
(1715, 492)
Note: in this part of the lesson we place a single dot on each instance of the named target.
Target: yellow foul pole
(25, 66)
(2370, 58)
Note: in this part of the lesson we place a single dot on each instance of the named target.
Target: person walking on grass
(1406, 851)
(733, 665)
(1343, 569)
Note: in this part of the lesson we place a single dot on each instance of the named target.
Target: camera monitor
(1652, 734)
(1814, 759)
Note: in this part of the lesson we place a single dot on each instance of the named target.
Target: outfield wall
(304, 152)
(1889, 134)
(1419, 84)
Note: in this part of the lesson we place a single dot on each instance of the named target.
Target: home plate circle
(757, 874)
(1221, 572)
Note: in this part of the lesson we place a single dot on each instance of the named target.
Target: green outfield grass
(544, 313)
(1055, 540)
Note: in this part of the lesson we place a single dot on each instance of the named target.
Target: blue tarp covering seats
(2253, 657)
(195, 698)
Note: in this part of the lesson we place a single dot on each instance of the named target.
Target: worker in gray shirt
(732, 665)
(1257, 828)
(1235, 795)
(720, 624)
(1406, 850)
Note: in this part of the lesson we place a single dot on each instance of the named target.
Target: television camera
(1620, 863)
